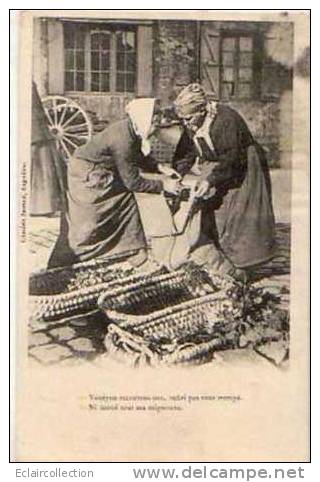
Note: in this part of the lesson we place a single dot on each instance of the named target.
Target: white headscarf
(140, 112)
(204, 130)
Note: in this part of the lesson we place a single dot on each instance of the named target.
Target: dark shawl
(239, 217)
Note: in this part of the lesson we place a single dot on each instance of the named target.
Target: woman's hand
(168, 171)
(172, 186)
(202, 188)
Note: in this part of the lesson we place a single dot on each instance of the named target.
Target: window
(236, 67)
(98, 59)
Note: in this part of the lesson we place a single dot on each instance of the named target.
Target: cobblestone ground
(80, 339)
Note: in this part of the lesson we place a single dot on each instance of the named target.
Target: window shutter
(271, 73)
(210, 62)
(55, 57)
(144, 74)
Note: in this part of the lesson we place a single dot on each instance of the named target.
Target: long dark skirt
(46, 179)
(101, 219)
(241, 218)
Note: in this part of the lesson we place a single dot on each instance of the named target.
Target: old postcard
(162, 236)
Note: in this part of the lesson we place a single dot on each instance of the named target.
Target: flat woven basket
(64, 292)
(170, 321)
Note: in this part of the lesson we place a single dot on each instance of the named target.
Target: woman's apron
(244, 218)
(102, 218)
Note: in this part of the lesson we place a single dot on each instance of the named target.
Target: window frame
(254, 83)
(88, 29)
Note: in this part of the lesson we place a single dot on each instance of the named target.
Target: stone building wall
(175, 58)
(176, 62)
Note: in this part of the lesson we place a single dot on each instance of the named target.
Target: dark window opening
(237, 67)
(99, 59)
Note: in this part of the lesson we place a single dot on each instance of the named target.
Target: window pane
(80, 39)
(245, 58)
(130, 83)
(95, 65)
(69, 38)
(245, 74)
(130, 40)
(105, 41)
(68, 80)
(95, 41)
(125, 41)
(79, 81)
(120, 61)
(131, 61)
(69, 60)
(95, 87)
(126, 61)
(105, 61)
(246, 44)
(100, 41)
(244, 90)
(228, 74)
(105, 83)
(228, 58)
(227, 90)
(228, 43)
(120, 83)
(80, 59)
(121, 42)
(74, 58)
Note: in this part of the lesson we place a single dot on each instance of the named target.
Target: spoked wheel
(68, 123)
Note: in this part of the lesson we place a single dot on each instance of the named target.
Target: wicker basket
(188, 330)
(62, 293)
(65, 292)
(62, 280)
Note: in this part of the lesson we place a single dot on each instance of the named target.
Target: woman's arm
(126, 161)
(231, 142)
(149, 164)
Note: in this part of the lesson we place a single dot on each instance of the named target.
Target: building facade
(104, 63)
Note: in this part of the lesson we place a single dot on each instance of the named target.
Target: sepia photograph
(156, 199)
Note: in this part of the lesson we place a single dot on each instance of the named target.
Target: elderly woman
(234, 183)
(102, 216)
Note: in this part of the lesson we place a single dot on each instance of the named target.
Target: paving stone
(50, 353)
(63, 333)
(79, 322)
(82, 344)
(36, 339)
(276, 352)
(36, 325)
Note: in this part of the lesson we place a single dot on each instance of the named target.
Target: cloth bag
(171, 236)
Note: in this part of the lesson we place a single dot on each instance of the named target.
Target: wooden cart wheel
(68, 123)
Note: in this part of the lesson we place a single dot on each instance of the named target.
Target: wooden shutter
(210, 59)
(271, 71)
(55, 57)
(144, 71)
